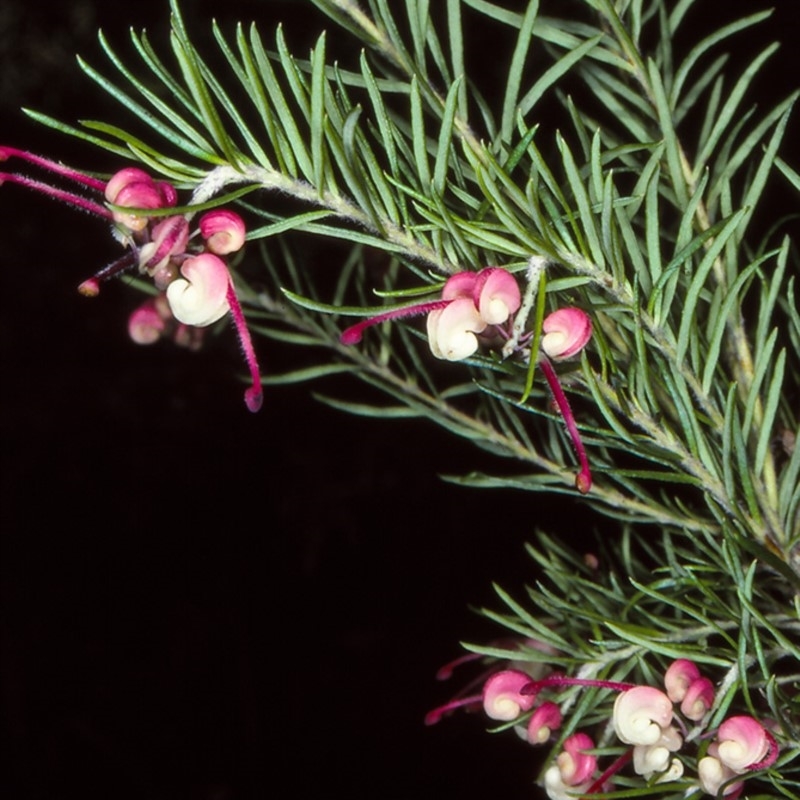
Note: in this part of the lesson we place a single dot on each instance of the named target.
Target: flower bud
(501, 695)
(223, 230)
(680, 674)
(566, 332)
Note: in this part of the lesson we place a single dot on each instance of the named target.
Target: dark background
(202, 603)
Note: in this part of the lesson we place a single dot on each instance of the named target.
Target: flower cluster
(652, 722)
(478, 308)
(193, 280)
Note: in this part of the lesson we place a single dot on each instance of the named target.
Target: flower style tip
(566, 332)
(254, 394)
(641, 714)
(89, 287)
(224, 231)
(502, 697)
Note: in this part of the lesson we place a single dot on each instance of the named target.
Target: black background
(202, 603)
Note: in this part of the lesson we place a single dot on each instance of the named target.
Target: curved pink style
(566, 332)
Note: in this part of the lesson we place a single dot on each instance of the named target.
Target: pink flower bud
(566, 332)
(698, 699)
(571, 776)
(544, 720)
(575, 765)
(119, 180)
(680, 674)
(145, 324)
(200, 297)
(501, 695)
(133, 188)
(742, 743)
(223, 230)
(641, 714)
(452, 330)
(496, 295)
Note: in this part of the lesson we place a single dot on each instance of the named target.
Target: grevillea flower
(641, 715)
(199, 288)
(566, 332)
(679, 676)
(685, 685)
(223, 230)
(745, 744)
(200, 296)
(544, 720)
(502, 699)
(571, 775)
(742, 745)
(479, 306)
(698, 699)
(471, 303)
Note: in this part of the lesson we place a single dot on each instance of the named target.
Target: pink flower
(198, 286)
(698, 699)
(544, 720)
(566, 332)
(712, 774)
(742, 745)
(200, 296)
(134, 188)
(679, 676)
(571, 775)
(146, 324)
(641, 715)
(501, 695)
(471, 302)
(223, 230)
(745, 744)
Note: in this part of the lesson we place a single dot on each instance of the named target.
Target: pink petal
(496, 295)
(566, 332)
